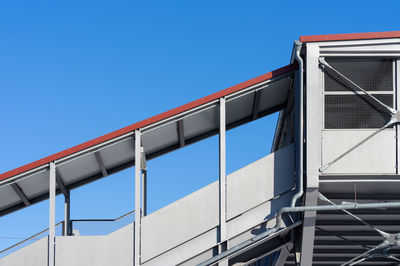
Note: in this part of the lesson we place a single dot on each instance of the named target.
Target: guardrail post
(138, 214)
(222, 178)
(52, 214)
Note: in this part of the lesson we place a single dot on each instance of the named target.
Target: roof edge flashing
(350, 36)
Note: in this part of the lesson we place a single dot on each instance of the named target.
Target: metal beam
(307, 240)
(61, 185)
(181, 133)
(52, 214)
(283, 255)
(256, 103)
(21, 194)
(138, 214)
(100, 163)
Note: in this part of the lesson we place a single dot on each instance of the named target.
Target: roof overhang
(161, 134)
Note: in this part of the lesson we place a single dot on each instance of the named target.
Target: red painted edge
(350, 36)
(148, 121)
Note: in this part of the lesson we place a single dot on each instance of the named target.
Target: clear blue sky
(75, 70)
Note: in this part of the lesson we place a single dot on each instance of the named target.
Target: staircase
(186, 231)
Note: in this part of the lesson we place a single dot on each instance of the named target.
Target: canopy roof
(162, 133)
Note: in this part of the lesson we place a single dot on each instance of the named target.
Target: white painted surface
(260, 181)
(113, 249)
(180, 221)
(33, 255)
(188, 251)
(313, 122)
(376, 156)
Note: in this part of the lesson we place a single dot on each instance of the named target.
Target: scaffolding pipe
(343, 206)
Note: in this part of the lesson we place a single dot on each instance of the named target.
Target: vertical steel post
(67, 217)
(52, 214)
(222, 176)
(144, 192)
(138, 176)
(144, 181)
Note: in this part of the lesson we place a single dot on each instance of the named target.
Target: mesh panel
(370, 74)
(353, 111)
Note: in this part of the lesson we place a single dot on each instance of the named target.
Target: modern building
(327, 194)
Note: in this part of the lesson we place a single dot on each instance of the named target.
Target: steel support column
(222, 178)
(52, 214)
(144, 182)
(144, 193)
(307, 240)
(138, 213)
(67, 209)
(67, 216)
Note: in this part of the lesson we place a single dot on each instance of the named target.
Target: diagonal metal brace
(323, 62)
(390, 123)
(395, 115)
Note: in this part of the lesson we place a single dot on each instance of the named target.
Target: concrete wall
(113, 249)
(33, 255)
(260, 181)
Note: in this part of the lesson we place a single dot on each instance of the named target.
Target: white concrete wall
(113, 249)
(260, 181)
(180, 221)
(33, 255)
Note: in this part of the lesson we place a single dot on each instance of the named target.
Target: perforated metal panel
(346, 107)
(371, 74)
(353, 111)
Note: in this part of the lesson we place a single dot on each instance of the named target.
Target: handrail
(103, 220)
(62, 222)
(29, 238)
(99, 220)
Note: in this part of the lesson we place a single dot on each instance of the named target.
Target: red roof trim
(148, 121)
(350, 36)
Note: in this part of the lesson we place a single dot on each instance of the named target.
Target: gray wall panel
(260, 181)
(33, 255)
(180, 221)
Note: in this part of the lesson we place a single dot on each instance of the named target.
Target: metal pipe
(346, 206)
(300, 171)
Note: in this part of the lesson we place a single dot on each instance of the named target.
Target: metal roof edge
(148, 121)
(350, 36)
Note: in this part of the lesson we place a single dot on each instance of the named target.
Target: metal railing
(30, 238)
(100, 220)
(62, 223)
